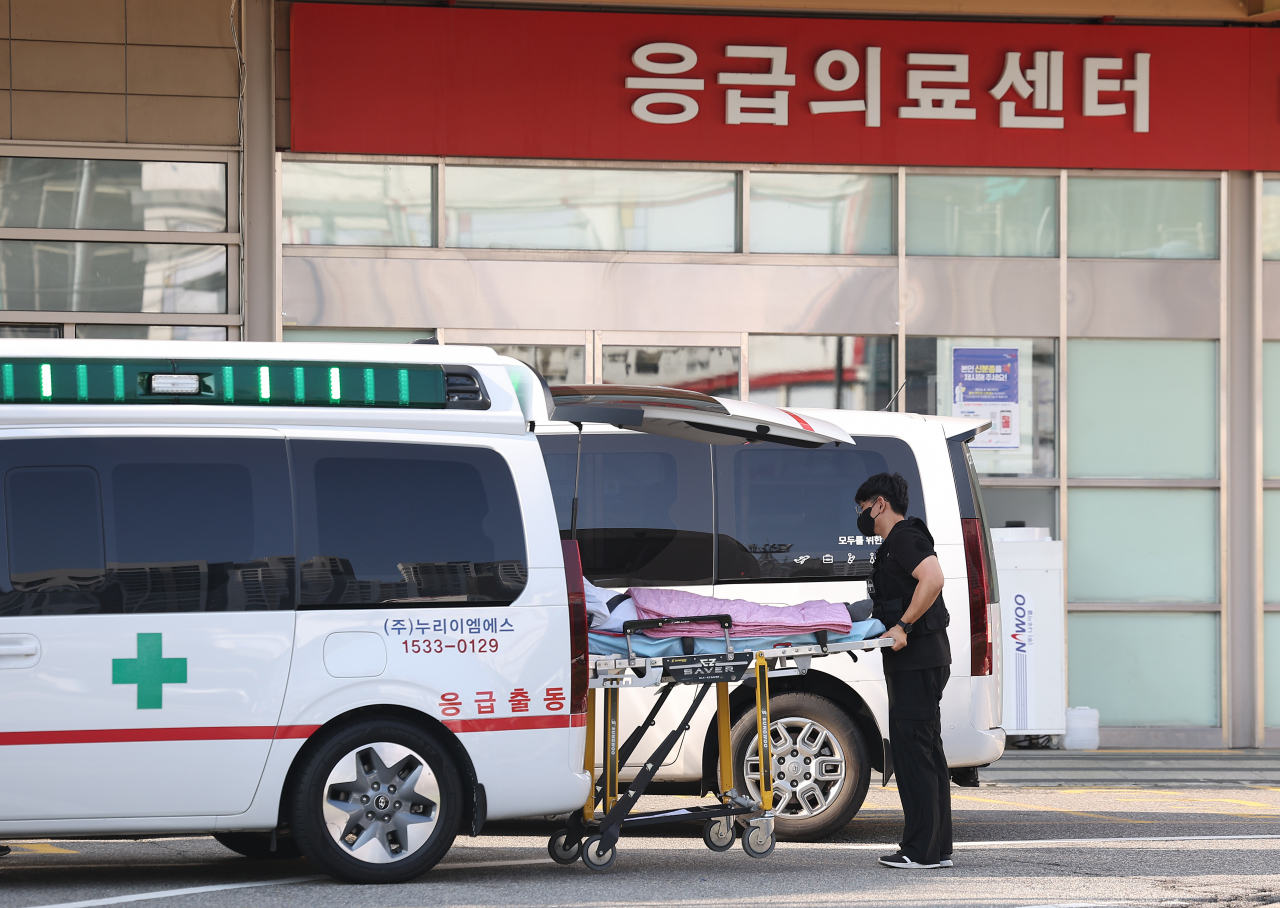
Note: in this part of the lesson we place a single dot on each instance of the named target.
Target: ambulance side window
(788, 513)
(53, 517)
(416, 524)
(147, 525)
(644, 506)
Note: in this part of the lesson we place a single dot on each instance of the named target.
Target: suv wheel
(378, 801)
(821, 768)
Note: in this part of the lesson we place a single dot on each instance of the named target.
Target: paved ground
(1135, 843)
(1182, 768)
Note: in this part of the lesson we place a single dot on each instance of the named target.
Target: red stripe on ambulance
(514, 723)
(125, 735)
(258, 732)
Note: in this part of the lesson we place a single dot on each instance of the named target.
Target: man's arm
(929, 575)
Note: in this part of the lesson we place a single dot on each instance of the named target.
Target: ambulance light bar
(228, 383)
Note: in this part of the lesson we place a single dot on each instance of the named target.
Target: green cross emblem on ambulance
(150, 671)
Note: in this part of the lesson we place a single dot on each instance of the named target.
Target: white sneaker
(902, 862)
(945, 861)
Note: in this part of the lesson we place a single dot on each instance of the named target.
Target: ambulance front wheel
(595, 857)
(562, 850)
(375, 801)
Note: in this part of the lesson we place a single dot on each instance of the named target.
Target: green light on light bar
(224, 383)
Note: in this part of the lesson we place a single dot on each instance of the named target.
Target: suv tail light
(975, 558)
(578, 673)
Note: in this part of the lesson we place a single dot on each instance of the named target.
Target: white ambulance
(303, 598)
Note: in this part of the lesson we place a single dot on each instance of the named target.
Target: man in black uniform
(906, 591)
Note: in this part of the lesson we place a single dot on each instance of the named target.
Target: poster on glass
(985, 386)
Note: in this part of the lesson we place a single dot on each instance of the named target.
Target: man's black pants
(915, 741)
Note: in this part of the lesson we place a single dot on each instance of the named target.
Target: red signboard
(656, 87)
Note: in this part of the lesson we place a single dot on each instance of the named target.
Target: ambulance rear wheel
(376, 801)
(820, 765)
(562, 850)
(594, 857)
(257, 845)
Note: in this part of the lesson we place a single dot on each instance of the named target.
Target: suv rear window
(419, 525)
(644, 506)
(786, 513)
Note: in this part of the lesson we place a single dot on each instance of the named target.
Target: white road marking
(196, 890)
(1078, 905)
(174, 893)
(490, 864)
(1039, 843)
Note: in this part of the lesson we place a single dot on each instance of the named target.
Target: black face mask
(866, 523)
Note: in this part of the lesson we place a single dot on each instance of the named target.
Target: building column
(261, 318)
(1241, 347)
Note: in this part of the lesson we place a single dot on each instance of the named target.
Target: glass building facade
(830, 287)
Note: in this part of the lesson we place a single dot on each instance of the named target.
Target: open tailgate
(691, 415)
(961, 426)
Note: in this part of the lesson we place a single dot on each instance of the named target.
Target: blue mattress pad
(662, 647)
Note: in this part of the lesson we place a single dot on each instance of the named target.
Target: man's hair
(891, 487)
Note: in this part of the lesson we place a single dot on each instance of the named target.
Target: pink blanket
(750, 619)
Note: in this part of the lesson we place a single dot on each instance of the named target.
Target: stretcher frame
(593, 835)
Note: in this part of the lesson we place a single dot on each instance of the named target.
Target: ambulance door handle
(18, 651)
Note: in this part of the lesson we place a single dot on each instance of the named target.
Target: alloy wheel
(381, 803)
(808, 767)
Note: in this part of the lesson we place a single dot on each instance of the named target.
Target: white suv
(776, 523)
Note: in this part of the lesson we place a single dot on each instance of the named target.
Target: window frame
(1064, 241)
(231, 239)
(1054, 176)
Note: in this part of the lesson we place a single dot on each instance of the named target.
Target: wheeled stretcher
(593, 833)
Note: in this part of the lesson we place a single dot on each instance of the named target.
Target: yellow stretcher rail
(764, 728)
(589, 757)
(723, 730)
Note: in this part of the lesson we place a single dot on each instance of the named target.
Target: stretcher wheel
(718, 834)
(757, 844)
(563, 851)
(593, 858)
